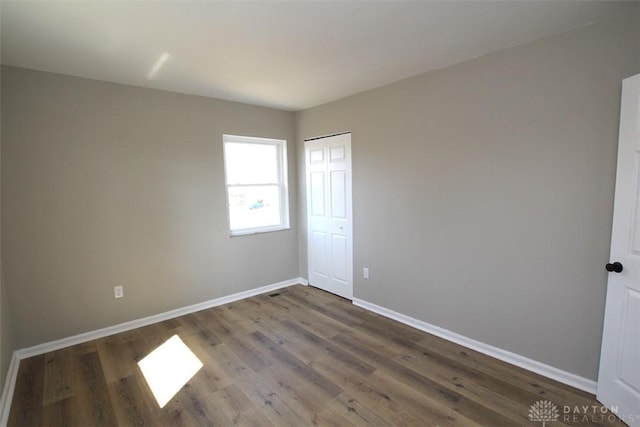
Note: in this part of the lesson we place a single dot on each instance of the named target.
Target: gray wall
(105, 184)
(483, 192)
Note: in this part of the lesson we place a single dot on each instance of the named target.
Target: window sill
(253, 231)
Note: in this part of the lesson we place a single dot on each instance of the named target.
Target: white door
(329, 223)
(619, 377)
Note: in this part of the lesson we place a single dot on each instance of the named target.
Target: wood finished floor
(302, 357)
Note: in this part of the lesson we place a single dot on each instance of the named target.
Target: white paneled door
(329, 220)
(619, 377)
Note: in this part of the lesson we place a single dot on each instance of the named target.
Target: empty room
(331, 213)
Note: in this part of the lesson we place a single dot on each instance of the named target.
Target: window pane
(252, 207)
(251, 163)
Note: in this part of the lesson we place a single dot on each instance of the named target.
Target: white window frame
(281, 146)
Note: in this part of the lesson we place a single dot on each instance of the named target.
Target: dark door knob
(616, 266)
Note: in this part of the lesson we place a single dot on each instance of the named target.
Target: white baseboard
(548, 371)
(145, 321)
(7, 391)
(18, 355)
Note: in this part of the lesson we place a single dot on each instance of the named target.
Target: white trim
(548, 371)
(18, 355)
(9, 388)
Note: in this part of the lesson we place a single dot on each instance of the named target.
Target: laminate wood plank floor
(295, 357)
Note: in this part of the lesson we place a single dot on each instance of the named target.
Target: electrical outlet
(365, 272)
(118, 291)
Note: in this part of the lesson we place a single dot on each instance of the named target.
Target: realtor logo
(544, 411)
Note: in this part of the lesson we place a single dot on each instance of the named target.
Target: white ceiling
(289, 55)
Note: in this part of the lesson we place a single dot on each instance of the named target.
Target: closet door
(329, 218)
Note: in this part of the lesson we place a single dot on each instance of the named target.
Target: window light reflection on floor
(168, 368)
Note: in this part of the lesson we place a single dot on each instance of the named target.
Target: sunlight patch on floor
(168, 368)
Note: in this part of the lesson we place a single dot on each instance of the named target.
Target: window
(256, 176)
